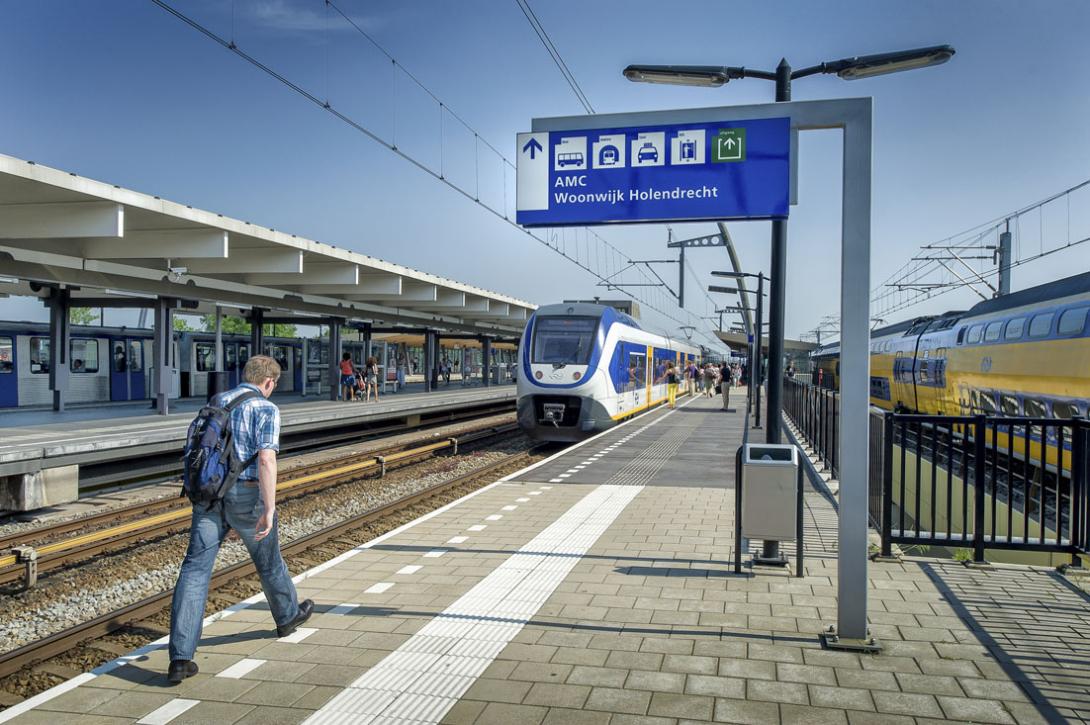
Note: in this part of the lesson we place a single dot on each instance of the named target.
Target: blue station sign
(683, 172)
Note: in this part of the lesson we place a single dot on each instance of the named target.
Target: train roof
(1078, 284)
(584, 309)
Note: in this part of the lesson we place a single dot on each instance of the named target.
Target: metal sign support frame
(853, 116)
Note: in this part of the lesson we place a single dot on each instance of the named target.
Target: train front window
(7, 356)
(564, 340)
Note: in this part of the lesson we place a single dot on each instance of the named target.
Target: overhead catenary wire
(440, 174)
(558, 59)
(932, 271)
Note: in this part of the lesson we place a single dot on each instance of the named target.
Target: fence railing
(972, 482)
(985, 483)
(816, 413)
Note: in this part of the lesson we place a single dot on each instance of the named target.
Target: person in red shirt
(348, 377)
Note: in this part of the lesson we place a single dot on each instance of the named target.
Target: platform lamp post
(756, 368)
(865, 66)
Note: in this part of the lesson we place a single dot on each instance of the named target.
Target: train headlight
(539, 375)
(576, 375)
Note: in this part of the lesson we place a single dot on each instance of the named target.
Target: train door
(9, 381)
(230, 363)
(297, 371)
(127, 381)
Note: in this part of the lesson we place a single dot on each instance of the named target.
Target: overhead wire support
(439, 174)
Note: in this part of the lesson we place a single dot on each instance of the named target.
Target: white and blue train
(585, 367)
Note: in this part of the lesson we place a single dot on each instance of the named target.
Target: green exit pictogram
(729, 145)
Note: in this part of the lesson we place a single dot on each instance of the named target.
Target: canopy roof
(58, 228)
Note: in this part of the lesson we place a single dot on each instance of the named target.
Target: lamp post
(756, 372)
(865, 66)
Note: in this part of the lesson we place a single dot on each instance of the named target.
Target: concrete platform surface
(597, 587)
(67, 441)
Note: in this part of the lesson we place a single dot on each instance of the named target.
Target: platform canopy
(739, 341)
(57, 228)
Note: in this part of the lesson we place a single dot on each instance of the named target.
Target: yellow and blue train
(1025, 354)
(585, 367)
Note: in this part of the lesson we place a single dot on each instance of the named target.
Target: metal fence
(972, 482)
(816, 413)
(985, 483)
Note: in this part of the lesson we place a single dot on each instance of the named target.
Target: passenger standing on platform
(709, 380)
(690, 377)
(725, 383)
(370, 379)
(248, 508)
(736, 375)
(348, 377)
(671, 384)
(400, 372)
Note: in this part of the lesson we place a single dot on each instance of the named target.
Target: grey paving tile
(746, 711)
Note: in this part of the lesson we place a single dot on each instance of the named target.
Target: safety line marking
(457, 539)
(477, 527)
(166, 713)
(298, 635)
(378, 588)
(241, 668)
(410, 569)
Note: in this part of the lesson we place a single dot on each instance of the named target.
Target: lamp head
(868, 66)
(708, 76)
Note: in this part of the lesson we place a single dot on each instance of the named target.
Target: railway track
(153, 519)
(36, 652)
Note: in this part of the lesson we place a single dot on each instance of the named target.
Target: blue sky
(123, 92)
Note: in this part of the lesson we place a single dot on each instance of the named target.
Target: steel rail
(79, 548)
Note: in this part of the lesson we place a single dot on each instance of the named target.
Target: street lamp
(864, 66)
(756, 374)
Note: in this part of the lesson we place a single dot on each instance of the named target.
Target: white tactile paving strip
(452, 650)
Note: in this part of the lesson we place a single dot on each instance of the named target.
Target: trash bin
(769, 489)
(217, 383)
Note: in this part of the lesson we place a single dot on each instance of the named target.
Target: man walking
(725, 383)
(248, 508)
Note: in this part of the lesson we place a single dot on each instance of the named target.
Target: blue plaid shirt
(255, 424)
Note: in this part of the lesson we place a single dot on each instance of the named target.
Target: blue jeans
(241, 508)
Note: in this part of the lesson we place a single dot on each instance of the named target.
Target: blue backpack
(210, 465)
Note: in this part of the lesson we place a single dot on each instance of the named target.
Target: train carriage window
(83, 355)
(7, 356)
(120, 362)
(243, 355)
(1041, 324)
(39, 355)
(1064, 409)
(987, 403)
(1072, 321)
(230, 357)
(993, 331)
(637, 371)
(1035, 408)
(1015, 328)
(974, 334)
(136, 356)
(206, 357)
(279, 353)
(1010, 405)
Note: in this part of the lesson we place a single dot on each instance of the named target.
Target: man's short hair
(260, 367)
